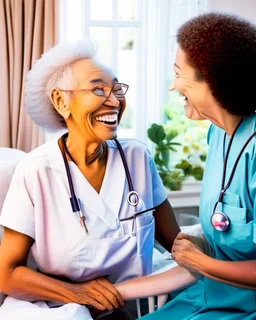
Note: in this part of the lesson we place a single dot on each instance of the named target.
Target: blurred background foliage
(180, 145)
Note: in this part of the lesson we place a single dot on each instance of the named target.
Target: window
(136, 38)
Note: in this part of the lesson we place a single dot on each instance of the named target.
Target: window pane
(103, 38)
(127, 10)
(101, 9)
(127, 74)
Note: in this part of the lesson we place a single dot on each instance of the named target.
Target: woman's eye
(177, 75)
(98, 91)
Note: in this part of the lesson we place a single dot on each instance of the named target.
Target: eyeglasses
(118, 89)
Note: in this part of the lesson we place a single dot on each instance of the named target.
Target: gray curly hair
(52, 70)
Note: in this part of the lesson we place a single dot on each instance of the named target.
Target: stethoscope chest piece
(133, 198)
(220, 221)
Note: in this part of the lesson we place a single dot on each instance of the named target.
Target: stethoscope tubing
(226, 222)
(74, 200)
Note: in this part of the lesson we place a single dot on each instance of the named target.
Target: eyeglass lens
(118, 89)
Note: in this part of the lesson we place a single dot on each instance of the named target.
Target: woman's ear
(60, 104)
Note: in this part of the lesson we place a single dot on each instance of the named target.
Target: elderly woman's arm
(166, 226)
(174, 279)
(19, 281)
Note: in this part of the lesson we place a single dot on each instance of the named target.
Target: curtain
(27, 29)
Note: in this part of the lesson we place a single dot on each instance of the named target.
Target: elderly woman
(215, 73)
(83, 202)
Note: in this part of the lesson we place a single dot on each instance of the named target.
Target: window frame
(150, 48)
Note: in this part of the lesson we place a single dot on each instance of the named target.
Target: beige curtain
(27, 29)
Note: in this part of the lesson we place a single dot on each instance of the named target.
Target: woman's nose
(172, 86)
(113, 100)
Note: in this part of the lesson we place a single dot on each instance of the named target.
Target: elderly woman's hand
(100, 294)
(186, 253)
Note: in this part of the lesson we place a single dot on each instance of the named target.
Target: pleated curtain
(28, 28)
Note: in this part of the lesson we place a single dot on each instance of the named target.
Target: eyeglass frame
(91, 90)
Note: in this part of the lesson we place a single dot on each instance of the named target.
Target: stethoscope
(219, 220)
(133, 198)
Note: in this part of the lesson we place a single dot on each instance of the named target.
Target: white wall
(244, 8)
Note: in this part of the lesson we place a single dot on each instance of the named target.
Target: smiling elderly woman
(83, 202)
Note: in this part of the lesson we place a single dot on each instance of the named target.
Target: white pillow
(9, 158)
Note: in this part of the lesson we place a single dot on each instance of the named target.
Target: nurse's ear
(60, 103)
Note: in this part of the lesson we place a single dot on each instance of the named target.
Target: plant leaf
(185, 166)
(171, 135)
(156, 133)
(197, 172)
(158, 161)
(203, 157)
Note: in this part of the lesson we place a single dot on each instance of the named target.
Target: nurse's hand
(187, 253)
(100, 294)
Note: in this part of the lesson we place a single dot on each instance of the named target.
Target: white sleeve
(158, 189)
(18, 209)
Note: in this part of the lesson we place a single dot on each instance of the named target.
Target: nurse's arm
(174, 279)
(241, 274)
(18, 281)
(166, 226)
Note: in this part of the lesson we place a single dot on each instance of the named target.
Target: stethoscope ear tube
(74, 204)
(127, 173)
(73, 200)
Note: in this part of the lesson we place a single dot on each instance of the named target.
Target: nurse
(215, 71)
(86, 204)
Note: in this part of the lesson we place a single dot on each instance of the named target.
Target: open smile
(185, 99)
(109, 120)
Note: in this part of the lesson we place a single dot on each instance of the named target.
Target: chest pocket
(239, 235)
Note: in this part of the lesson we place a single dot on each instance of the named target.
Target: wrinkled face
(96, 117)
(198, 99)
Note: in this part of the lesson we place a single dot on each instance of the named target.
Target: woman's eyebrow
(96, 80)
(99, 80)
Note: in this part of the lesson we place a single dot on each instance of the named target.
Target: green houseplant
(179, 145)
(172, 179)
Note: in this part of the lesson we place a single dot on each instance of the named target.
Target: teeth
(107, 118)
(184, 99)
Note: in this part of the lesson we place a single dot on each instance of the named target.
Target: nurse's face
(93, 116)
(198, 98)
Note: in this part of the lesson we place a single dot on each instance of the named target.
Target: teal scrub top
(209, 299)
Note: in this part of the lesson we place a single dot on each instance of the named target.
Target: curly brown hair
(222, 49)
